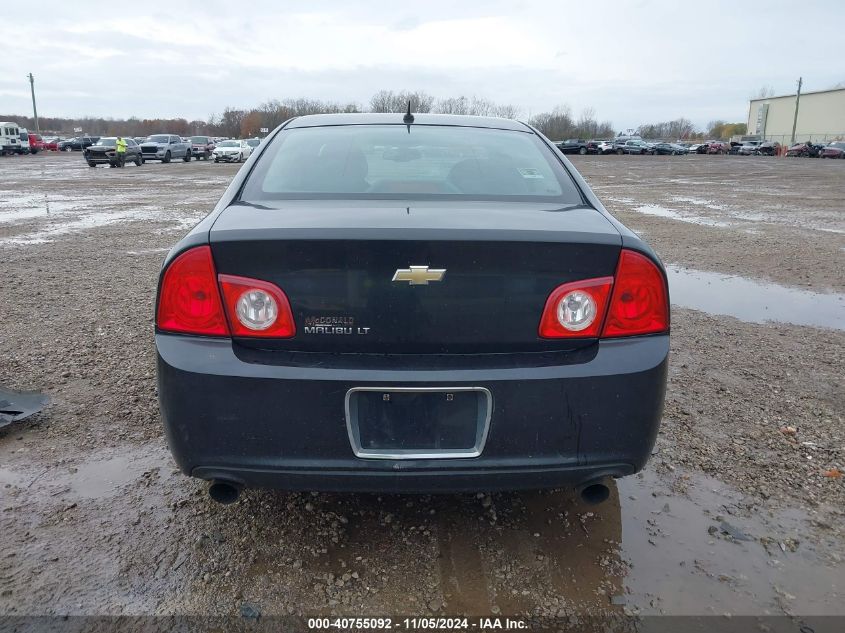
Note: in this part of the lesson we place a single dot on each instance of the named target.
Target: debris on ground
(18, 405)
(734, 532)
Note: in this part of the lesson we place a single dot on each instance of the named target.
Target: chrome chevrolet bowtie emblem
(419, 275)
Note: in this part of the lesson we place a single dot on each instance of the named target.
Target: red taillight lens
(256, 308)
(639, 304)
(189, 301)
(576, 310)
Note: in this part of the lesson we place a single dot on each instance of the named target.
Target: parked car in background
(633, 146)
(232, 151)
(735, 145)
(593, 145)
(165, 147)
(10, 137)
(604, 147)
(667, 149)
(52, 144)
(805, 150)
(718, 147)
(768, 148)
(703, 148)
(748, 148)
(202, 147)
(573, 146)
(104, 152)
(831, 150)
(77, 144)
(36, 143)
(253, 143)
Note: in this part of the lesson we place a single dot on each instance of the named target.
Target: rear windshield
(389, 162)
(199, 139)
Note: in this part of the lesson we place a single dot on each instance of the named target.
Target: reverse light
(576, 309)
(632, 302)
(194, 299)
(189, 301)
(256, 308)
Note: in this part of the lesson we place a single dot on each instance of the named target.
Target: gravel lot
(734, 513)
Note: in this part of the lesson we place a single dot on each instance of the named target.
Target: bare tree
(506, 111)
(453, 105)
(668, 130)
(765, 92)
(390, 101)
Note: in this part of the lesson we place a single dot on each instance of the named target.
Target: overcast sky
(633, 62)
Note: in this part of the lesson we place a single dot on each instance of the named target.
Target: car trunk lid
(363, 276)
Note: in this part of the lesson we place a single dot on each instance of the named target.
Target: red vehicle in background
(51, 144)
(718, 147)
(834, 150)
(36, 143)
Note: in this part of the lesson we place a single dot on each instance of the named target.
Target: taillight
(576, 309)
(632, 302)
(256, 308)
(189, 301)
(639, 304)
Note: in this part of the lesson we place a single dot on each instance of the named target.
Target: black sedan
(398, 303)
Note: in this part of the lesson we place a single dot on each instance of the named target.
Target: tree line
(558, 124)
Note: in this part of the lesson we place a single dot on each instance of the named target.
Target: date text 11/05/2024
(421, 623)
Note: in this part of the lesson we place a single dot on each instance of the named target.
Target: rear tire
(166, 158)
(91, 163)
(582, 151)
(620, 152)
(138, 161)
(187, 157)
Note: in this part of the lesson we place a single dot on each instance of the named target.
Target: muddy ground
(733, 515)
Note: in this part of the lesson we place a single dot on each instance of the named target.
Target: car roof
(391, 118)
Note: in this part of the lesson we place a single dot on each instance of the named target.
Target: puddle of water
(752, 301)
(94, 220)
(149, 251)
(101, 475)
(101, 478)
(700, 202)
(656, 546)
(663, 212)
(681, 560)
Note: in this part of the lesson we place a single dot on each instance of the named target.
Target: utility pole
(795, 120)
(34, 109)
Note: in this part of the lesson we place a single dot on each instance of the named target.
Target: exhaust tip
(594, 494)
(224, 492)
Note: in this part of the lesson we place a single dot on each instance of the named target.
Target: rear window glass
(389, 162)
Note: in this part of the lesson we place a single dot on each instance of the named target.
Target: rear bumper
(284, 426)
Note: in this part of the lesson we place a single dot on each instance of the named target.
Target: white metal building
(821, 116)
